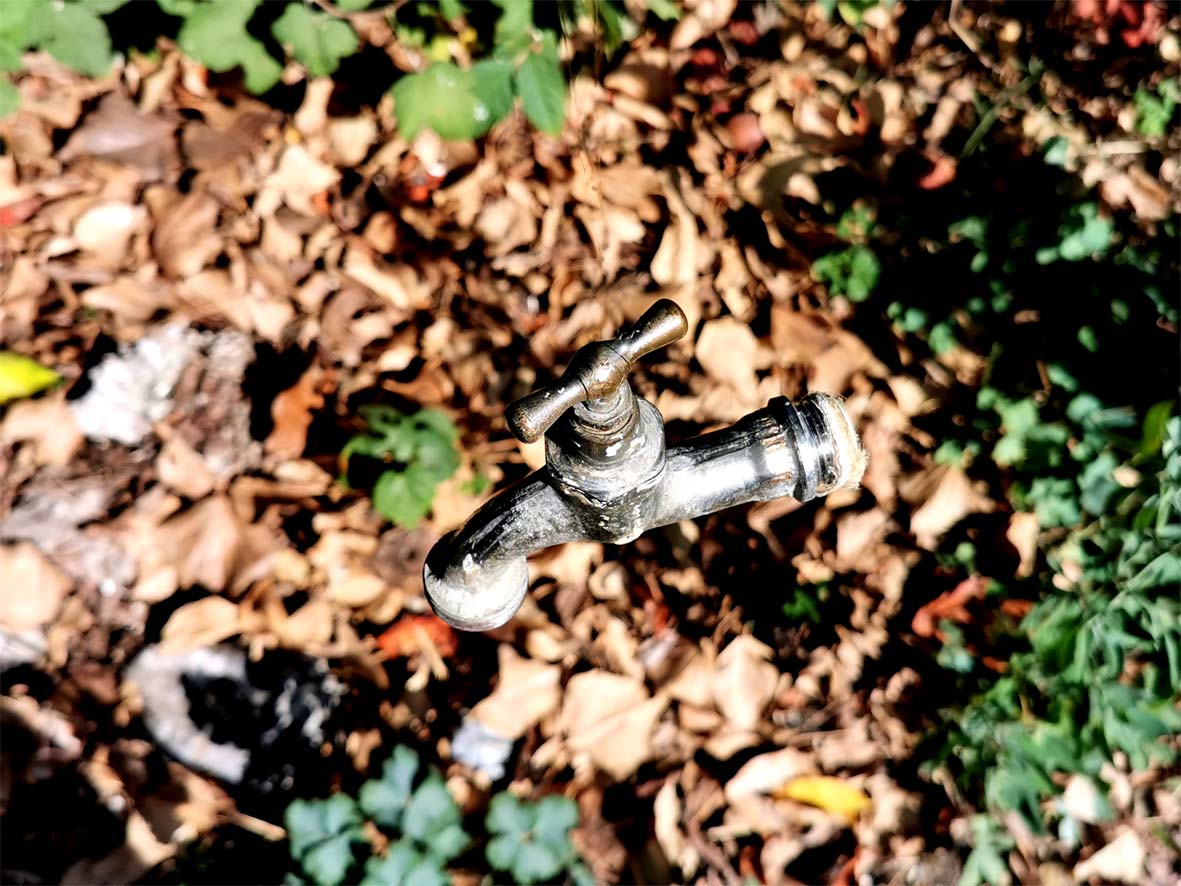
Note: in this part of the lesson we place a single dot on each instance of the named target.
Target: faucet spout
(475, 578)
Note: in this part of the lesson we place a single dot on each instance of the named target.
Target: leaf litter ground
(227, 286)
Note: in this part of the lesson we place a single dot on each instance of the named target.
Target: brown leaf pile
(327, 262)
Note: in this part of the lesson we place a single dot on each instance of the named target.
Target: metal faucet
(609, 476)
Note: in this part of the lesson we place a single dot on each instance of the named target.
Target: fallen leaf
(667, 811)
(352, 137)
(953, 498)
(950, 606)
(106, 228)
(297, 180)
(748, 791)
(118, 132)
(184, 241)
(610, 718)
(207, 546)
(744, 682)
(201, 623)
(22, 376)
(292, 411)
(1120, 861)
(1022, 533)
(48, 424)
(32, 590)
(729, 352)
(406, 636)
(828, 793)
(183, 470)
(526, 692)
(133, 299)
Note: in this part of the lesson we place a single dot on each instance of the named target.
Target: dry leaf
(351, 138)
(828, 793)
(748, 791)
(526, 692)
(296, 181)
(133, 299)
(202, 623)
(744, 682)
(953, 498)
(185, 241)
(407, 635)
(106, 228)
(207, 545)
(729, 352)
(183, 470)
(48, 423)
(291, 412)
(666, 814)
(951, 606)
(610, 718)
(1120, 861)
(32, 589)
(1022, 534)
(118, 132)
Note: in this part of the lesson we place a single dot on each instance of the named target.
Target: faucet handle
(596, 370)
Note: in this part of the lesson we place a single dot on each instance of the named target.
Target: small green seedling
(531, 841)
(324, 833)
(420, 452)
(1155, 110)
(854, 270)
(423, 828)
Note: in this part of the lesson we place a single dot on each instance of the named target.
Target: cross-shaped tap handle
(596, 370)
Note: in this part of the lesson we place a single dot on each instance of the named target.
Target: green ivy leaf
(542, 87)
(322, 833)
(384, 799)
(404, 497)
(78, 38)
(514, 27)
(351, 5)
(316, 40)
(21, 376)
(445, 99)
(492, 84)
(25, 23)
(101, 7)
(501, 850)
(214, 34)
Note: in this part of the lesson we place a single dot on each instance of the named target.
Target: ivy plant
(854, 270)
(463, 104)
(419, 453)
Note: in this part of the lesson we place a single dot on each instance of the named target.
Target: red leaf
(951, 605)
(406, 636)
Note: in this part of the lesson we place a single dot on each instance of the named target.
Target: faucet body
(609, 477)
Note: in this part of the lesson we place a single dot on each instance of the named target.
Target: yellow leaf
(829, 793)
(22, 377)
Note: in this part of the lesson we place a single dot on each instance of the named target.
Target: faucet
(610, 477)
